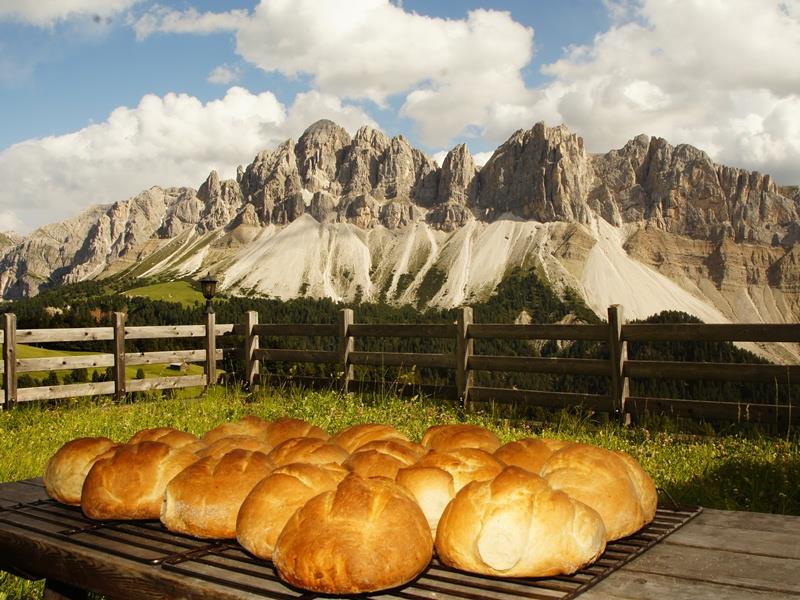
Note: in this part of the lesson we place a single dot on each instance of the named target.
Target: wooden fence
(463, 360)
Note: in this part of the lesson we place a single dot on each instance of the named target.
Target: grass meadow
(733, 470)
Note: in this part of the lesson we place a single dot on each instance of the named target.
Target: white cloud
(481, 158)
(45, 13)
(174, 140)
(9, 221)
(224, 74)
(723, 76)
(160, 19)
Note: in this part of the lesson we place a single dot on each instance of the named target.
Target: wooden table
(717, 554)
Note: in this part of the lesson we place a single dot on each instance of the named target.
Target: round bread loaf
(169, 436)
(67, 468)
(453, 437)
(286, 428)
(352, 438)
(528, 453)
(612, 483)
(436, 478)
(204, 499)
(517, 526)
(383, 458)
(249, 425)
(275, 499)
(130, 483)
(365, 536)
(307, 450)
(224, 445)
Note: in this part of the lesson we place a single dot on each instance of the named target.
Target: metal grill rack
(225, 563)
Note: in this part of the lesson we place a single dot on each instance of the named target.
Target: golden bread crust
(352, 438)
(286, 428)
(223, 445)
(307, 450)
(249, 425)
(67, 468)
(383, 458)
(529, 453)
(454, 437)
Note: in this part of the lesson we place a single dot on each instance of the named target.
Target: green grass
(739, 471)
(182, 292)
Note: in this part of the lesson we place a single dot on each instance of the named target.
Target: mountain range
(650, 226)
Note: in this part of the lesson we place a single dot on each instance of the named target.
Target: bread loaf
(67, 468)
(352, 438)
(383, 458)
(307, 450)
(454, 437)
(436, 477)
(204, 499)
(130, 484)
(169, 436)
(528, 453)
(249, 425)
(271, 503)
(515, 525)
(224, 445)
(365, 536)
(612, 483)
(286, 428)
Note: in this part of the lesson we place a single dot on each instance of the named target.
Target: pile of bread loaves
(363, 510)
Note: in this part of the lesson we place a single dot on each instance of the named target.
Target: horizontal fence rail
(462, 362)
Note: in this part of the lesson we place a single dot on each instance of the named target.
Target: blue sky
(103, 98)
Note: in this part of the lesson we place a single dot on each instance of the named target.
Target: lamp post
(208, 285)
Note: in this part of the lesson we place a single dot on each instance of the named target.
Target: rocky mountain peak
(457, 179)
(319, 152)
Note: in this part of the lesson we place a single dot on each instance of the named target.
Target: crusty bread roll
(367, 535)
(437, 476)
(67, 468)
(169, 436)
(224, 445)
(286, 428)
(249, 425)
(307, 450)
(517, 526)
(454, 437)
(130, 483)
(352, 438)
(204, 499)
(612, 483)
(383, 458)
(528, 453)
(275, 499)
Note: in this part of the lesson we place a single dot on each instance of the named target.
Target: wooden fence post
(346, 346)
(618, 353)
(10, 360)
(464, 349)
(211, 349)
(251, 363)
(119, 357)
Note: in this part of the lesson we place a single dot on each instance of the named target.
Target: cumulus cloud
(45, 13)
(723, 76)
(454, 75)
(174, 140)
(224, 74)
(161, 19)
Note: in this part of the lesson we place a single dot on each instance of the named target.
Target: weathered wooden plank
(56, 590)
(224, 328)
(759, 573)
(168, 356)
(686, 332)
(55, 363)
(210, 342)
(73, 390)
(465, 348)
(398, 359)
(347, 344)
(733, 539)
(74, 334)
(625, 585)
(165, 383)
(252, 366)
(403, 330)
(296, 329)
(312, 356)
(562, 366)
(729, 372)
(707, 409)
(119, 356)
(749, 521)
(541, 398)
(618, 355)
(164, 331)
(539, 332)
(10, 396)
